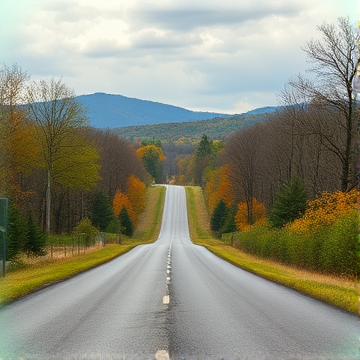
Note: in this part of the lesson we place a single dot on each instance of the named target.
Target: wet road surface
(174, 299)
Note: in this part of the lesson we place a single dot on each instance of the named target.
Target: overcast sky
(228, 56)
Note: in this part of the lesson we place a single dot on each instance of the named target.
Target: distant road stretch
(173, 298)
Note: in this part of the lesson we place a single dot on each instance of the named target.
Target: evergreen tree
(35, 239)
(230, 225)
(204, 147)
(126, 223)
(102, 212)
(289, 203)
(218, 216)
(17, 232)
(201, 159)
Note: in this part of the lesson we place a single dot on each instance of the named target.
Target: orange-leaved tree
(242, 216)
(136, 193)
(121, 200)
(218, 187)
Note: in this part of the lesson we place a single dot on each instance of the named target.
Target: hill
(217, 128)
(115, 111)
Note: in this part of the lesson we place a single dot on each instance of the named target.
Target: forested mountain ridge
(113, 111)
(216, 128)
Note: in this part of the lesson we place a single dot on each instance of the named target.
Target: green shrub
(86, 229)
(331, 248)
(113, 227)
(340, 250)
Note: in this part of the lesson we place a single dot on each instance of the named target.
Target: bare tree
(242, 154)
(335, 60)
(118, 161)
(265, 157)
(12, 85)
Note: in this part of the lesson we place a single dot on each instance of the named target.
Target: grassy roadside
(149, 223)
(340, 292)
(32, 277)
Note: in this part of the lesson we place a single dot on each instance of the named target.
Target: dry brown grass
(59, 252)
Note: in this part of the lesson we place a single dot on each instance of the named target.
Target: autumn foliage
(258, 214)
(218, 187)
(325, 209)
(133, 200)
(136, 193)
(121, 200)
(324, 239)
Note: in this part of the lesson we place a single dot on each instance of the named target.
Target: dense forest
(216, 128)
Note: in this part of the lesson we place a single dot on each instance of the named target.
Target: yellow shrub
(325, 210)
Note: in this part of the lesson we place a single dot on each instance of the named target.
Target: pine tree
(289, 204)
(201, 159)
(35, 239)
(218, 216)
(204, 147)
(102, 212)
(230, 224)
(126, 223)
(17, 232)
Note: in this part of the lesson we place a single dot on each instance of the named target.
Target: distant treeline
(217, 128)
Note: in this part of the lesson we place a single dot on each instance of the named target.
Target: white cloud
(209, 55)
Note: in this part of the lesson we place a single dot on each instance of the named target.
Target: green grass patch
(337, 291)
(30, 277)
(149, 222)
(198, 216)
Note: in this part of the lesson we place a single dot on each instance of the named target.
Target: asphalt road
(175, 297)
